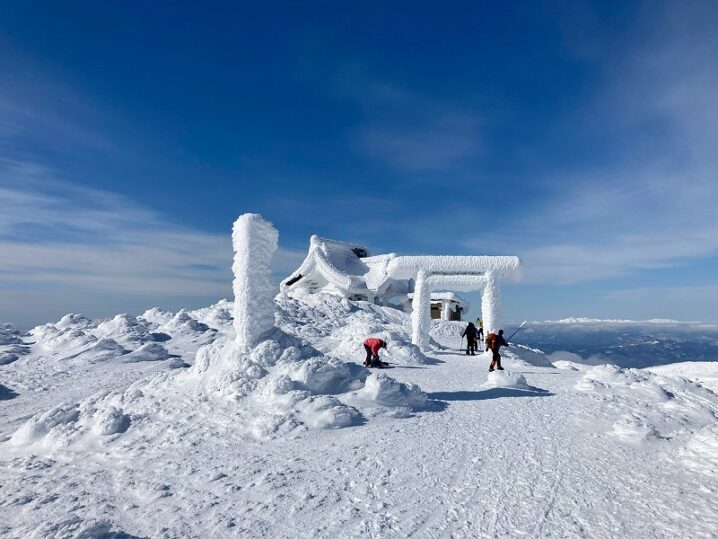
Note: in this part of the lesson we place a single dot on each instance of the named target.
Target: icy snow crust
(293, 438)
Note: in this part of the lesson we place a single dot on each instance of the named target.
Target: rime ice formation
(348, 270)
(420, 314)
(491, 304)
(254, 240)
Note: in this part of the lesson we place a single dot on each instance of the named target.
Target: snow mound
(103, 350)
(448, 333)
(217, 316)
(47, 426)
(150, 351)
(570, 365)
(700, 452)
(506, 379)
(156, 316)
(124, 328)
(381, 389)
(329, 376)
(74, 320)
(9, 335)
(183, 321)
(111, 420)
(281, 387)
(76, 340)
(703, 372)
(65, 424)
(646, 407)
(338, 327)
(11, 344)
(61, 340)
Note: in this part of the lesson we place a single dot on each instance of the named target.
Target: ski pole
(515, 332)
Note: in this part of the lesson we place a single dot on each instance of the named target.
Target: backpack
(491, 341)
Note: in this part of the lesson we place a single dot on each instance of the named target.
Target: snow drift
(647, 406)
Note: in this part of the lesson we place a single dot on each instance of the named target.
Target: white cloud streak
(407, 131)
(96, 244)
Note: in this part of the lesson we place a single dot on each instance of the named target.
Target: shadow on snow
(6, 393)
(486, 394)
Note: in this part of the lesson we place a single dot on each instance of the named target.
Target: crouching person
(372, 346)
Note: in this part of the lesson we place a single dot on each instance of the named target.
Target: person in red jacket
(494, 343)
(372, 346)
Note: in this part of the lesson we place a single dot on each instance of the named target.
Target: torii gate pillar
(421, 311)
(491, 304)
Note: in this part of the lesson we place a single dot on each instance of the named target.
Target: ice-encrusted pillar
(255, 240)
(421, 311)
(491, 304)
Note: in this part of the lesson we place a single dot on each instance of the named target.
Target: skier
(480, 323)
(471, 334)
(494, 343)
(372, 346)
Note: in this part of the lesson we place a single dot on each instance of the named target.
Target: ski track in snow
(554, 461)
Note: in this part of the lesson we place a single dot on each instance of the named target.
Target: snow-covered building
(447, 306)
(422, 284)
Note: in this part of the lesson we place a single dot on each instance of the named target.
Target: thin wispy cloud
(408, 131)
(91, 244)
(655, 207)
(43, 113)
(426, 144)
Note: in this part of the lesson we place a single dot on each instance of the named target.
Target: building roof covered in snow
(350, 269)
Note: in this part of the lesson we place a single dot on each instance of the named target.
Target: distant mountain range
(623, 342)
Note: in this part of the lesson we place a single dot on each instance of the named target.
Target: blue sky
(579, 136)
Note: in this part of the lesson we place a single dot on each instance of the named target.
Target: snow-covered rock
(150, 351)
(382, 389)
(506, 379)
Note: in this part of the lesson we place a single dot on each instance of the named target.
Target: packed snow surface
(162, 425)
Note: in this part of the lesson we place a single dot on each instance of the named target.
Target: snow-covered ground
(155, 426)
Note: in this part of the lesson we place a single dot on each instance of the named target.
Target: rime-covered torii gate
(456, 273)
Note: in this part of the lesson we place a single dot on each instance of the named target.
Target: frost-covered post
(491, 304)
(445, 310)
(255, 240)
(421, 311)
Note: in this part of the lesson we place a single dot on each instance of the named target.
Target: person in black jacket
(471, 335)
